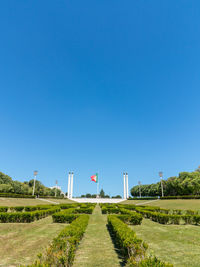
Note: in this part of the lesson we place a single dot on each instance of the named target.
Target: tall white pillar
(124, 185)
(127, 194)
(68, 190)
(72, 177)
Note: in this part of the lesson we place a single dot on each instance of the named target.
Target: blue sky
(107, 86)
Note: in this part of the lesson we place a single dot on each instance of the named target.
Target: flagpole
(98, 185)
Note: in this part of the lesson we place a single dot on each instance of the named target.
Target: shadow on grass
(117, 249)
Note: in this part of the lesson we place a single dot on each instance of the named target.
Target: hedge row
(4, 209)
(15, 195)
(169, 211)
(25, 208)
(132, 248)
(133, 219)
(63, 217)
(26, 217)
(181, 197)
(169, 219)
(150, 262)
(84, 210)
(62, 250)
(68, 215)
(142, 198)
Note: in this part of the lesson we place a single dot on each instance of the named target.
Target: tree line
(101, 194)
(7, 185)
(186, 183)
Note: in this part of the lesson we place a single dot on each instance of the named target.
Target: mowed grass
(186, 204)
(11, 202)
(96, 248)
(177, 244)
(20, 243)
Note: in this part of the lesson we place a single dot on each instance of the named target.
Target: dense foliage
(187, 183)
(8, 186)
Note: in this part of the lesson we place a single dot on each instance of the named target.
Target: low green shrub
(62, 250)
(17, 208)
(26, 217)
(63, 217)
(126, 239)
(134, 218)
(175, 219)
(196, 219)
(181, 197)
(148, 262)
(110, 210)
(15, 195)
(3, 209)
(84, 210)
(30, 208)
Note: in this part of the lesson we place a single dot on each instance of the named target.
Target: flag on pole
(94, 178)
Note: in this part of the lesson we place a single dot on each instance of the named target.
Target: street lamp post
(139, 188)
(56, 188)
(35, 174)
(161, 181)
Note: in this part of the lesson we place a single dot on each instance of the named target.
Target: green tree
(102, 193)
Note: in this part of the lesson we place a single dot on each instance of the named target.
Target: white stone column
(72, 177)
(124, 185)
(68, 190)
(127, 193)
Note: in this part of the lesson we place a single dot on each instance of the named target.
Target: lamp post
(139, 188)
(56, 187)
(35, 174)
(161, 181)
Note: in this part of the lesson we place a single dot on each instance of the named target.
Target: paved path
(96, 248)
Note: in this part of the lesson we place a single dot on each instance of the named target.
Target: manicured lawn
(192, 204)
(96, 248)
(177, 244)
(20, 243)
(29, 202)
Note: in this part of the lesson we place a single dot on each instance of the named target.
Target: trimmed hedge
(3, 209)
(26, 217)
(15, 195)
(63, 217)
(132, 248)
(62, 250)
(150, 262)
(142, 198)
(181, 197)
(169, 218)
(134, 218)
(17, 208)
(84, 210)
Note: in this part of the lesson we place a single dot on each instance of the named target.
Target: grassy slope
(96, 248)
(193, 204)
(29, 202)
(177, 244)
(20, 243)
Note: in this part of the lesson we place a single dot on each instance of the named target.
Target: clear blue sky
(101, 86)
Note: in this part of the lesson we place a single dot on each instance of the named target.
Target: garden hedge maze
(62, 250)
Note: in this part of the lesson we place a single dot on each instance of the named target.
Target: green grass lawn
(29, 202)
(192, 204)
(177, 244)
(20, 243)
(96, 248)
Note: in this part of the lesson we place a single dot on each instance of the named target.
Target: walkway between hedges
(96, 248)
